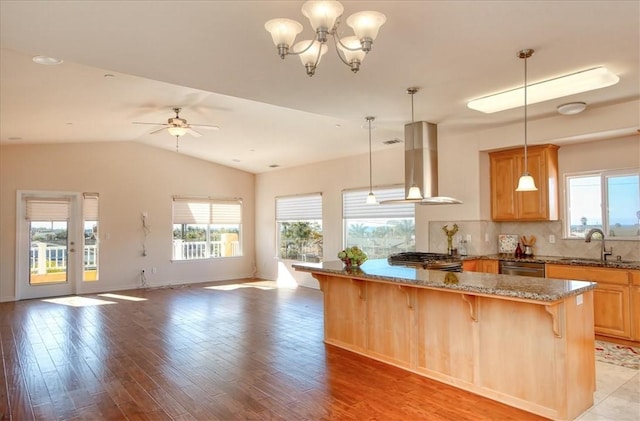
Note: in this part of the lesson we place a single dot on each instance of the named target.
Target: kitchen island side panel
(530, 355)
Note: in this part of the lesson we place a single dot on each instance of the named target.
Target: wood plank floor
(196, 353)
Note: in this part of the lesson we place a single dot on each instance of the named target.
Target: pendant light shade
(371, 198)
(526, 181)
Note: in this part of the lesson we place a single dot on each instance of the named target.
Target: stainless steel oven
(522, 268)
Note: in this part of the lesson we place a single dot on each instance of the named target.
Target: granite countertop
(501, 286)
(560, 260)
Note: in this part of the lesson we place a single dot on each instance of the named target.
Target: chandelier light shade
(526, 181)
(574, 83)
(371, 198)
(311, 52)
(324, 17)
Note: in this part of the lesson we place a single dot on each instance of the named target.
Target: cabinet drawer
(584, 273)
(634, 277)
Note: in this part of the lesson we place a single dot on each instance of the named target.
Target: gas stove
(434, 261)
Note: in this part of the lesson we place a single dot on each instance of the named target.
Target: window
(608, 200)
(90, 236)
(379, 230)
(206, 228)
(299, 225)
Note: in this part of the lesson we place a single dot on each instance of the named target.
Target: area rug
(623, 355)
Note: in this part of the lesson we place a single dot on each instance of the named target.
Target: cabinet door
(506, 169)
(533, 204)
(635, 313)
(503, 187)
(611, 310)
(488, 266)
(470, 265)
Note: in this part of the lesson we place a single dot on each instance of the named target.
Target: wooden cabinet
(611, 300)
(481, 265)
(506, 168)
(634, 276)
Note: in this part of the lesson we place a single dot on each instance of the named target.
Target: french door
(49, 244)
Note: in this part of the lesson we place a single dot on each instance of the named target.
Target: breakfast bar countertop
(561, 260)
(475, 283)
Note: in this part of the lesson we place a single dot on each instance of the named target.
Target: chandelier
(325, 19)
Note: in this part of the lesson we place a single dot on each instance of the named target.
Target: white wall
(131, 178)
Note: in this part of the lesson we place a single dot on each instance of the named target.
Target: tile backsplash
(484, 239)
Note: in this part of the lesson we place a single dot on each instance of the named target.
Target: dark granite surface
(522, 287)
(560, 260)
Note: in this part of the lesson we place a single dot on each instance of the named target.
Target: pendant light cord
(369, 119)
(526, 167)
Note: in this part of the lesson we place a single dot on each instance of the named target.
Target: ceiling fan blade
(155, 124)
(193, 132)
(158, 130)
(205, 126)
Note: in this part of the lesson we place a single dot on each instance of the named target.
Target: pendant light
(371, 198)
(526, 181)
(414, 191)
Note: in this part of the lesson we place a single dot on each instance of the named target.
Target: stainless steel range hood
(421, 164)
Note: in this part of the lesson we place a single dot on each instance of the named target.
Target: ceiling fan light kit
(324, 17)
(177, 126)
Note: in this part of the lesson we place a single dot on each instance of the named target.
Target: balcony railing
(46, 258)
(191, 250)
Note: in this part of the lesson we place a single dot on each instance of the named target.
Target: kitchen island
(527, 342)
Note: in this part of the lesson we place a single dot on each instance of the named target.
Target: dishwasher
(522, 268)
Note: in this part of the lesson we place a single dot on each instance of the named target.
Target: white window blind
(47, 210)
(203, 211)
(90, 206)
(354, 204)
(299, 208)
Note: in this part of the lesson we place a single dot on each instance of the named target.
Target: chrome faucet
(603, 252)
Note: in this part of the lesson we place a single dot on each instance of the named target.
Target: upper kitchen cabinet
(506, 168)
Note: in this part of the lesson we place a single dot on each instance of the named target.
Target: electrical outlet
(486, 237)
(145, 214)
(468, 238)
(154, 270)
(552, 239)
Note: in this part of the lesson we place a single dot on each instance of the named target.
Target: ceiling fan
(177, 126)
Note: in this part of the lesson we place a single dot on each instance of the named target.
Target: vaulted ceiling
(127, 61)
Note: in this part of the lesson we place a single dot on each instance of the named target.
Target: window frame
(604, 176)
(213, 220)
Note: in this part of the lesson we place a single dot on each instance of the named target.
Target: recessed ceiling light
(15, 138)
(392, 141)
(108, 75)
(575, 83)
(572, 108)
(235, 160)
(47, 61)
(274, 166)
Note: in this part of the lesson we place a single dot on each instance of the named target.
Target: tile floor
(617, 396)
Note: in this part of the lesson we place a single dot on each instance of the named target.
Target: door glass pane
(623, 200)
(48, 252)
(90, 216)
(90, 259)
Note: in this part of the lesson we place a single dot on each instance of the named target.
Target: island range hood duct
(421, 164)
